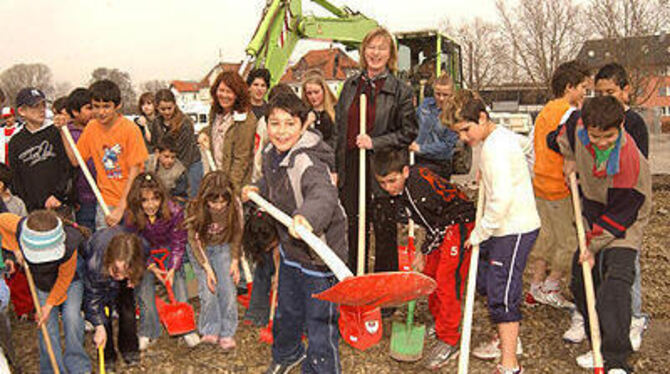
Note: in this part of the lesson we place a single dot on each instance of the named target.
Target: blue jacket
(435, 140)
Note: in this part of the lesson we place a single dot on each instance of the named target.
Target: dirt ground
(541, 330)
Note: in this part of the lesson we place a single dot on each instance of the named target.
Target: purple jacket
(85, 194)
(167, 234)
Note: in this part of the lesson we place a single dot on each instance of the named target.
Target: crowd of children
(102, 246)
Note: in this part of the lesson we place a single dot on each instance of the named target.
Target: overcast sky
(172, 39)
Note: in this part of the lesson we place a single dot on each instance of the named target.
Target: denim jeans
(194, 174)
(299, 311)
(259, 303)
(218, 311)
(86, 214)
(75, 360)
(150, 325)
(636, 291)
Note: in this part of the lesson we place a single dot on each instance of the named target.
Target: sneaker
(145, 342)
(577, 331)
(637, 328)
(227, 344)
(276, 368)
(585, 360)
(88, 326)
(209, 339)
(501, 370)
(431, 333)
(551, 297)
(617, 371)
(440, 355)
(529, 300)
(491, 350)
(192, 339)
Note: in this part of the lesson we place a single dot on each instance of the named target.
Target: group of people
(164, 195)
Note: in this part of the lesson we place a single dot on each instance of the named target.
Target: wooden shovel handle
(273, 299)
(362, 178)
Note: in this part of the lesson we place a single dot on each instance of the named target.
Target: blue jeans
(85, 216)
(259, 303)
(299, 311)
(195, 173)
(218, 311)
(75, 360)
(150, 325)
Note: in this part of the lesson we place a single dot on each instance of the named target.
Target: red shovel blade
(244, 299)
(360, 326)
(178, 318)
(266, 334)
(379, 289)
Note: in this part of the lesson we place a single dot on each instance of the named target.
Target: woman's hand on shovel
(100, 337)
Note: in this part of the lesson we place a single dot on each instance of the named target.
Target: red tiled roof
(186, 86)
(218, 68)
(323, 59)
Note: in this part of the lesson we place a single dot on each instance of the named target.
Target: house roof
(186, 86)
(650, 50)
(217, 69)
(333, 62)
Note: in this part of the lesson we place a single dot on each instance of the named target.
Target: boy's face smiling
(284, 130)
(34, 115)
(393, 182)
(575, 94)
(607, 87)
(167, 158)
(603, 139)
(105, 111)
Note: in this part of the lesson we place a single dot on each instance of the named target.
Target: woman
(232, 128)
(317, 95)
(391, 122)
(172, 121)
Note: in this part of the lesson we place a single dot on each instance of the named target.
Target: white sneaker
(145, 342)
(192, 339)
(586, 360)
(637, 328)
(551, 297)
(576, 333)
(616, 371)
(491, 350)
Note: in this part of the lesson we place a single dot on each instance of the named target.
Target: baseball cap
(42, 246)
(7, 112)
(29, 96)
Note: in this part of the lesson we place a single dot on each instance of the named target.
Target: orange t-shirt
(114, 150)
(548, 181)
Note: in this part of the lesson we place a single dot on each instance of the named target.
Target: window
(664, 91)
(665, 110)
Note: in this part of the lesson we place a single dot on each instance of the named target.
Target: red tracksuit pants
(448, 265)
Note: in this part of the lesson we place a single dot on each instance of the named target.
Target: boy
(42, 173)
(169, 169)
(116, 147)
(558, 237)
(448, 217)
(79, 109)
(50, 249)
(10, 127)
(258, 82)
(296, 179)
(615, 185)
(435, 143)
(508, 228)
(14, 204)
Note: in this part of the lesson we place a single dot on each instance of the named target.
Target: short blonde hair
(392, 63)
(443, 80)
(452, 111)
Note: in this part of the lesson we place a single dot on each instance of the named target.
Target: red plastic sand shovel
(177, 317)
(365, 292)
(266, 332)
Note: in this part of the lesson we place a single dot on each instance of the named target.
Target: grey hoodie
(298, 182)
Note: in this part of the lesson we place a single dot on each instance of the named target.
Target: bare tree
(122, 79)
(26, 75)
(153, 85)
(62, 88)
(541, 34)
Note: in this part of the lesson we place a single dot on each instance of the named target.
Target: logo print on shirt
(37, 153)
(110, 160)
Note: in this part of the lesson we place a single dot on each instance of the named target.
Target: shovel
(266, 332)
(407, 339)
(177, 317)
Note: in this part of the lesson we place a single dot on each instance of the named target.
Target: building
(334, 63)
(647, 59)
(185, 92)
(516, 97)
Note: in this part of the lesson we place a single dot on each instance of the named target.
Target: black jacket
(188, 151)
(395, 117)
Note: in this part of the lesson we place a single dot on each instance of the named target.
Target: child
(448, 216)
(147, 110)
(179, 126)
(317, 95)
(13, 203)
(261, 244)
(79, 108)
(258, 82)
(296, 179)
(508, 227)
(215, 232)
(615, 185)
(115, 145)
(50, 247)
(59, 106)
(157, 220)
(10, 127)
(114, 266)
(169, 169)
(558, 237)
(42, 173)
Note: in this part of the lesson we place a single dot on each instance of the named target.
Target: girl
(157, 220)
(260, 243)
(215, 233)
(147, 111)
(317, 95)
(172, 121)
